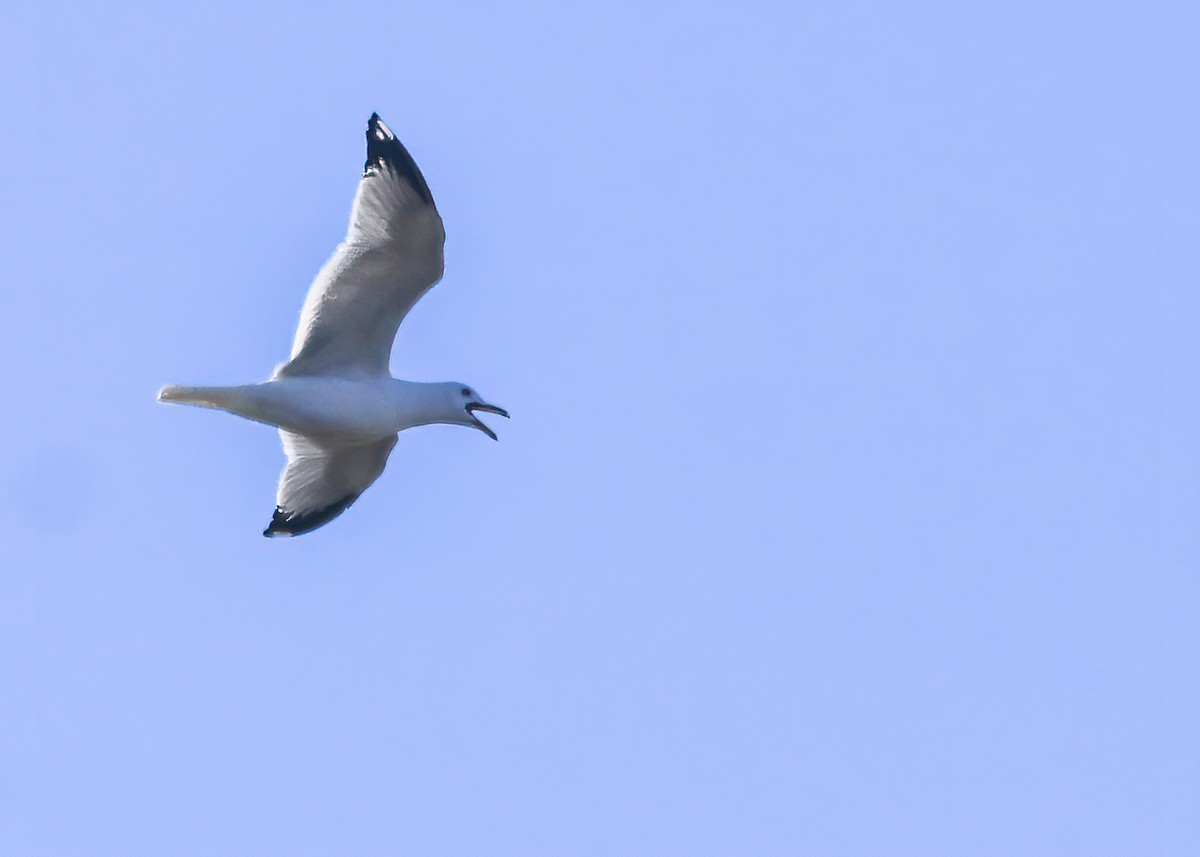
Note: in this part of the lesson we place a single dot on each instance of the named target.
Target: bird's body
(354, 410)
(334, 401)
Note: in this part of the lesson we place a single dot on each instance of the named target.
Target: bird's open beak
(472, 407)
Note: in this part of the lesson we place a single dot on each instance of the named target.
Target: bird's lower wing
(322, 480)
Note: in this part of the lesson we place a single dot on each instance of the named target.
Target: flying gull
(335, 403)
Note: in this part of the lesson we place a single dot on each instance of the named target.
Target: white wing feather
(322, 480)
(391, 256)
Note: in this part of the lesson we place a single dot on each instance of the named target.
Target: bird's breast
(357, 410)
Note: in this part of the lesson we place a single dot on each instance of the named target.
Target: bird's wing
(391, 256)
(322, 480)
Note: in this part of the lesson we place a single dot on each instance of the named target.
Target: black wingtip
(284, 524)
(383, 149)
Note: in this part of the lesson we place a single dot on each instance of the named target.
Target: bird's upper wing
(391, 256)
(321, 480)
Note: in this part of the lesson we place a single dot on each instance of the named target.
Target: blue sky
(849, 501)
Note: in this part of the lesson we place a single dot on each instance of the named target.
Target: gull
(336, 405)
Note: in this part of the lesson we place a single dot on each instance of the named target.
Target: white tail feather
(204, 397)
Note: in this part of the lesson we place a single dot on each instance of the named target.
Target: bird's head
(465, 401)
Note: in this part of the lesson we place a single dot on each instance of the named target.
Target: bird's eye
(466, 391)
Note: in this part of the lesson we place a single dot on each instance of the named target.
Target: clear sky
(849, 502)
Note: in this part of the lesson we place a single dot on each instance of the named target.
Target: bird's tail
(204, 397)
(246, 400)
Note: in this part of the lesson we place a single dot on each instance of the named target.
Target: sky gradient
(849, 502)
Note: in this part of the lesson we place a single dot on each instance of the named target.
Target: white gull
(337, 407)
